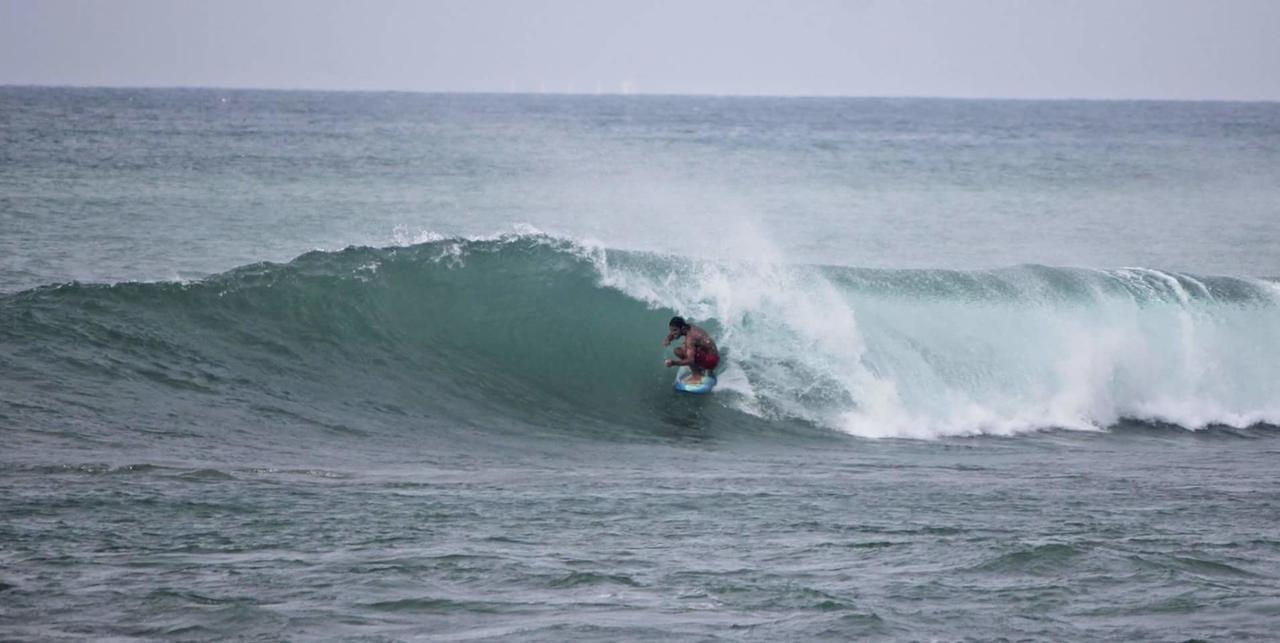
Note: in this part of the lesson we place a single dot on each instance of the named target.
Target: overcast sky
(1182, 49)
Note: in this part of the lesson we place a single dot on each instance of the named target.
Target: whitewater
(389, 366)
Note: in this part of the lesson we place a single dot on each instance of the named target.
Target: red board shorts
(705, 359)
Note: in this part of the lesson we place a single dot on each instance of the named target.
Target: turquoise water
(388, 366)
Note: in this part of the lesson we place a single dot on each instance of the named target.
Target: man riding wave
(699, 352)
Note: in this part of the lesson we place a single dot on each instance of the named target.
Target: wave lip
(528, 329)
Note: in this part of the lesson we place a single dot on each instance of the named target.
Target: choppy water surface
(1137, 534)
(291, 365)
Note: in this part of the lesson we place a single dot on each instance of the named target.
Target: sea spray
(883, 353)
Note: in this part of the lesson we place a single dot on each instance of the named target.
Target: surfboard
(701, 388)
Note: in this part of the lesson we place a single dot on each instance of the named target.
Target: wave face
(530, 330)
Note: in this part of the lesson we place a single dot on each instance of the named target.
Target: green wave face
(500, 334)
(533, 333)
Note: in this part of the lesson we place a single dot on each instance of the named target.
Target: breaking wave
(533, 330)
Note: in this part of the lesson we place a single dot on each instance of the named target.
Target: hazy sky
(1192, 49)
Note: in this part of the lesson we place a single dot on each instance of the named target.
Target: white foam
(933, 366)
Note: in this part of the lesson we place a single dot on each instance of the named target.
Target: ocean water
(388, 366)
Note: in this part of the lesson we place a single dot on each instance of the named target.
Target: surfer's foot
(694, 380)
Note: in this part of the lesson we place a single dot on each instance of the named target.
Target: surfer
(699, 352)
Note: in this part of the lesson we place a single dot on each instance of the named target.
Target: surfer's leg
(697, 373)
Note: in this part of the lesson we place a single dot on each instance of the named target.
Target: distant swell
(528, 331)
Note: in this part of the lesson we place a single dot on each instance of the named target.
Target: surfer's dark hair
(677, 322)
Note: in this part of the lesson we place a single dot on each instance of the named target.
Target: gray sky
(1182, 49)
